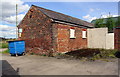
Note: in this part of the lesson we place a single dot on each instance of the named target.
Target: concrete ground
(40, 65)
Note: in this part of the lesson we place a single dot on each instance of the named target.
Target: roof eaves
(72, 24)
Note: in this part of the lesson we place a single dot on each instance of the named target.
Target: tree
(110, 23)
(99, 23)
(118, 21)
(107, 22)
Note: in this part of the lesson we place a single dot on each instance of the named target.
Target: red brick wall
(37, 32)
(43, 37)
(117, 38)
(65, 43)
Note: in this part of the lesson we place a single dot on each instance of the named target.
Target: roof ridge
(58, 12)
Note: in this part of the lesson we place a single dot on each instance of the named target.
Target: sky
(87, 11)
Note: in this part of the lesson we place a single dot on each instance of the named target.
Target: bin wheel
(23, 53)
(16, 54)
(13, 54)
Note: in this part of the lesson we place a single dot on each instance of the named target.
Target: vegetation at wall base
(89, 54)
(104, 54)
(92, 54)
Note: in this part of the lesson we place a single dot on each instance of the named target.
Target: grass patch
(6, 51)
(4, 45)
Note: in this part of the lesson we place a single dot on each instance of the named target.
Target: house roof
(64, 18)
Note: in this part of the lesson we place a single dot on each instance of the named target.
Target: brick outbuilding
(46, 31)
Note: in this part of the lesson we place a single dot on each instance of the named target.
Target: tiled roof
(64, 18)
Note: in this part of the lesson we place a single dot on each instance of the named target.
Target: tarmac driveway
(40, 65)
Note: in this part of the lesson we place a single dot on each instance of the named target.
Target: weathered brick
(36, 32)
(44, 36)
(65, 43)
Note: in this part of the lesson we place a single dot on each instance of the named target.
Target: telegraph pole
(101, 16)
(16, 21)
(16, 29)
(109, 14)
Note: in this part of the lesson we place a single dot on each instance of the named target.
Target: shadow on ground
(117, 54)
(8, 70)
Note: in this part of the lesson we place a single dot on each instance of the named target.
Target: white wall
(110, 41)
(100, 38)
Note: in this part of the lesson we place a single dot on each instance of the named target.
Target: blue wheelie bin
(16, 47)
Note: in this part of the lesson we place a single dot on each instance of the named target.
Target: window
(20, 30)
(84, 34)
(19, 34)
(72, 33)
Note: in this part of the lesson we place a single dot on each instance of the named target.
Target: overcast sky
(83, 10)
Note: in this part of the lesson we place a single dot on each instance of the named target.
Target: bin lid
(15, 40)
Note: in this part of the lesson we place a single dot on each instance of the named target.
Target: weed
(31, 53)
(44, 55)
